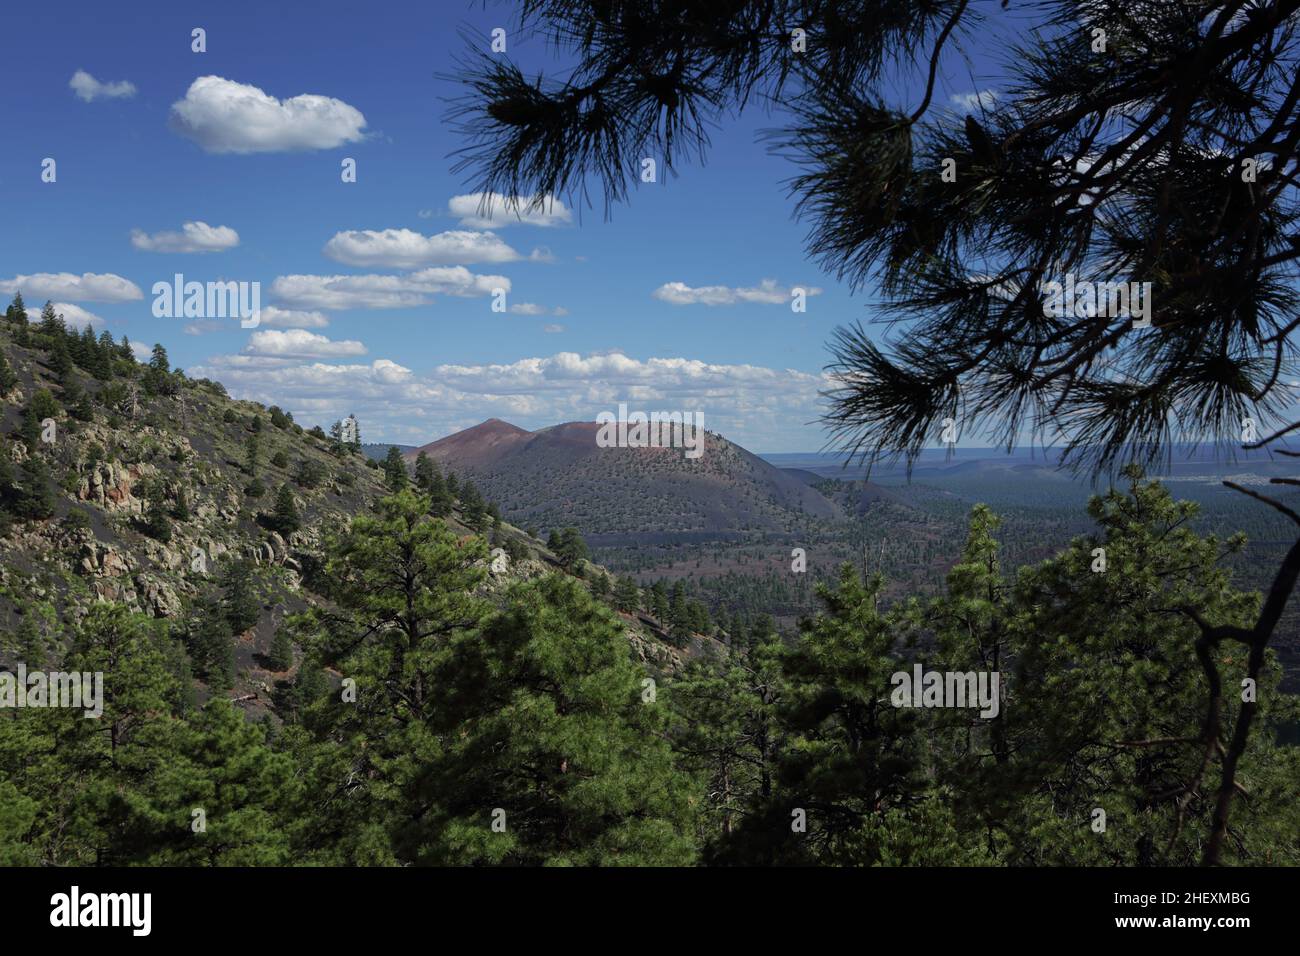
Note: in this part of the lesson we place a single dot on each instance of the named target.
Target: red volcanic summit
(475, 447)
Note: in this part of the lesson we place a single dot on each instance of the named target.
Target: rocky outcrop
(99, 560)
(279, 550)
(156, 596)
(111, 484)
(653, 654)
(165, 556)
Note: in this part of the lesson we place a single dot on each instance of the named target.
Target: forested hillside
(370, 667)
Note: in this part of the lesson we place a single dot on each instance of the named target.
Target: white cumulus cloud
(975, 101)
(407, 249)
(193, 237)
(88, 88)
(87, 287)
(223, 116)
(299, 343)
(382, 291)
(767, 292)
(492, 211)
(532, 308)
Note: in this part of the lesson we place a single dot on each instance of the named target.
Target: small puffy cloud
(553, 329)
(493, 210)
(223, 116)
(974, 102)
(193, 237)
(767, 292)
(382, 291)
(406, 249)
(142, 352)
(299, 343)
(277, 318)
(532, 308)
(88, 88)
(87, 287)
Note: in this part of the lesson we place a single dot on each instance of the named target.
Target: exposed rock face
(500, 562)
(106, 590)
(99, 560)
(159, 599)
(164, 556)
(653, 654)
(110, 485)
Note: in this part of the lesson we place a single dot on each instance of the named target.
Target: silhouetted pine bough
(1141, 142)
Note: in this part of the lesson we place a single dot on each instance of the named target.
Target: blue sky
(142, 150)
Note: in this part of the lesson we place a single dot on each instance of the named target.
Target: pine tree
(52, 325)
(627, 596)
(223, 765)
(679, 624)
(7, 377)
(41, 407)
(425, 470)
(158, 377)
(1107, 707)
(253, 454)
(212, 645)
(657, 601)
(281, 656)
(726, 730)
(395, 474)
(156, 521)
(285, 518)
(473, 506)
(34, 500)
(403, 590)
(239, 602)
(158, 360)
(17, 311)
(181, 510)
(853, 762)
(568, 547)
(8, 483)
(440, 498)
(557, 733)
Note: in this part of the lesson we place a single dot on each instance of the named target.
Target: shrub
(309, 473)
